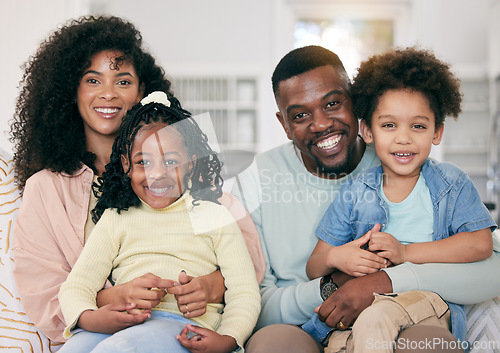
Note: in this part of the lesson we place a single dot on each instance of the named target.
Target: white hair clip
(156, 97)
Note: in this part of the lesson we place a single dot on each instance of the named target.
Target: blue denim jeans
(317, 329)
(157, 334)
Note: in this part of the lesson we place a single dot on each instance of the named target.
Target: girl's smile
(159, 165)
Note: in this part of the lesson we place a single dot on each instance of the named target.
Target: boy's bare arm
(350, 258)
(460, 248)
(317, 265)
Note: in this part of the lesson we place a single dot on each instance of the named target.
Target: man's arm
(353, 296)
(455, 283)
(293, 304)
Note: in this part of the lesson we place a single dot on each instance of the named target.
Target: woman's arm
(42, 255)
(111, 318)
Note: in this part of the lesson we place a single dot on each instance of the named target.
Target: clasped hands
(130, 303)
(369, 253)
(360, 276)
(147, 291)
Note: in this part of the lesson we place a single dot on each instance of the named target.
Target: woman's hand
(145, 292)
(111, 318)
(194, 293)
(206, 341)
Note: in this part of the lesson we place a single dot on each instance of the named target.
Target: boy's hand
(111, 318)
(387, 246)
(353, 259)
(206, 341)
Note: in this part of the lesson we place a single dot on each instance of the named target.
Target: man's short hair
(305, 59)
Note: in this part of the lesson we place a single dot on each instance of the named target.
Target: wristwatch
(327, 286)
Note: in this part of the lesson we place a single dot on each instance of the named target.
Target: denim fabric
(157, 334)
(317, 329)
(358, 207)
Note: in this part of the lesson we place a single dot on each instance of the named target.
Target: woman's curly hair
(410, 68)
(114, 188)
(47, 129)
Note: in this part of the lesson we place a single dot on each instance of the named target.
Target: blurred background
(220, 55)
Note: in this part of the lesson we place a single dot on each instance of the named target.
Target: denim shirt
(457, 207)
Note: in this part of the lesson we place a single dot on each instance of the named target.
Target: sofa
(18, 334)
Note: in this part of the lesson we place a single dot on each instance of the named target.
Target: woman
(74, 93)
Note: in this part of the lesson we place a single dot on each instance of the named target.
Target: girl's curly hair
(47, 129)
(410, 68)
(114, 188)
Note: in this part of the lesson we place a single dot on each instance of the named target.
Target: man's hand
(206, 341)
(352, 297)
(110, 318)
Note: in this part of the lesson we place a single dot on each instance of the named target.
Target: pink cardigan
(48, 237)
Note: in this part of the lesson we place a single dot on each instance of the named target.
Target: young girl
(158, 213)
(429, 211)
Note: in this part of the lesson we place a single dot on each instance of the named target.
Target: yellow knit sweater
(197, 239)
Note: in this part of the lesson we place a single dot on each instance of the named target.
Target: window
(354, 31)
(225, 104)
(352, 39)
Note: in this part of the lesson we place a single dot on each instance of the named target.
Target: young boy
(427, 211)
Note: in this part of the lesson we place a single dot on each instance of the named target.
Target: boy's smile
(403, 131)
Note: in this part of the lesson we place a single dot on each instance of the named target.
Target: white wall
(23, 25)
(229, 35)
(214, 37)
(457, 31)
(494, 42)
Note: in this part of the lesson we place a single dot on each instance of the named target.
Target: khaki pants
(377, 328)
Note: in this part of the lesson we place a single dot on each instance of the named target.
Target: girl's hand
(387, 246)
(206, 341)
(353, 259)
(145, 292)
(194, 293)
(111, 318)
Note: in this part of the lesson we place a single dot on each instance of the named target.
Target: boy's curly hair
(47, 129)
(410, 68)
(114, 188)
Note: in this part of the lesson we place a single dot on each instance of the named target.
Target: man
(288, 189)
